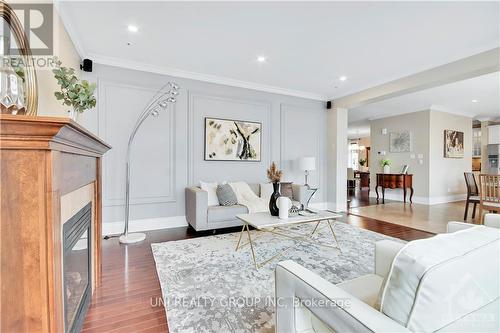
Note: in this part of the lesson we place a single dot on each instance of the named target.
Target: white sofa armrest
(492, 220)
(457, 226)
(385, 251)
(333, 306)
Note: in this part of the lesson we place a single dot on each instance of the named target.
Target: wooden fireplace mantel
(42, 159)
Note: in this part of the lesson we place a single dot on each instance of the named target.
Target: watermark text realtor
(37, 20)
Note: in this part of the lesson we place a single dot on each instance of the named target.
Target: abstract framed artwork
(232, 140)
(453, 144)
(400, 142)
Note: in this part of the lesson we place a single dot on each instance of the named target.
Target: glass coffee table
(265, 222)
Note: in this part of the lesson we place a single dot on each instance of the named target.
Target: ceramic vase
(73, 115)
(387, 169)
(273, 208)
(284, 204)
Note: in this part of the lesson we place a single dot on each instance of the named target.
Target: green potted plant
(386, 165)
(362, 163)
(76, 93)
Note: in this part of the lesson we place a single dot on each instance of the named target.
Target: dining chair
(472, 194)
(351, 181)
(489, 194)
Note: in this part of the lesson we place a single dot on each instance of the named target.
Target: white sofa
(307, 303)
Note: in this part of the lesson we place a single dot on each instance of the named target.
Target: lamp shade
(307, 163)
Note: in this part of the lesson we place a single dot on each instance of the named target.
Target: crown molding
(483, 118)
(139, 66)
(432, 107)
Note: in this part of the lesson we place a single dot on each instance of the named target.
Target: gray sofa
(203, 217)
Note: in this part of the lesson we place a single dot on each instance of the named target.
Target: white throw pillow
(266, 190)
(211, 188)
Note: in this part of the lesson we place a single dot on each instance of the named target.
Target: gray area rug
(208, 287)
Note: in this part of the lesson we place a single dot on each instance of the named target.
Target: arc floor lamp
(160, 101)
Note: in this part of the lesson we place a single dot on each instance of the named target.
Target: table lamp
(307, 164)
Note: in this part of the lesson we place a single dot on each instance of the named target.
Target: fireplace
(77, 268)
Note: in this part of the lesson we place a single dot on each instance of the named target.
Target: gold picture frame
(453, 144)
(31, 88)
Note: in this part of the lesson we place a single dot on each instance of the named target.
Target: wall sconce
(384, 131)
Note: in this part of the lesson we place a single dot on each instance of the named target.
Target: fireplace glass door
(76, 268)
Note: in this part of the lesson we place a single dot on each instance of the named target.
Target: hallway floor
(430, 218)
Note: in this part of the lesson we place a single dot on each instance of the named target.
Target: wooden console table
(364, 179)
(51, 168)
(392, 181)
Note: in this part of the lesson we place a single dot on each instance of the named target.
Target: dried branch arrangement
(274, 174)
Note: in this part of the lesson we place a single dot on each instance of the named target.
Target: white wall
(168, 151)
(418, 124)
(447, 174)
(435, 179)
(64, 49)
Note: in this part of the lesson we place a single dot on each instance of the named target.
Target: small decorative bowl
(294, 211)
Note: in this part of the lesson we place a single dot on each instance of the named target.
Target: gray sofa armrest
(196, 207)
(300, 193)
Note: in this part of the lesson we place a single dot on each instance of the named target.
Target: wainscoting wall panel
(213, 106)
(303, 134)
(169, 151)
(152, 182)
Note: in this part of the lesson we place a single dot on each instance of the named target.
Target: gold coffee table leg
(334, 236)
(251, 246)
(315, 228)
(241, 234)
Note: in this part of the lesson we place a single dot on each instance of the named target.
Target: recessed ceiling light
(343, 78)
(261, 59)
(474, 101)
(132, 28)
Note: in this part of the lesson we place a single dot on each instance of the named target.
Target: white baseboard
(419, 199)
(157, 223)
(448, 198)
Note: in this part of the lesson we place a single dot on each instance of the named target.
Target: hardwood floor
(361, 198)
(129, 299)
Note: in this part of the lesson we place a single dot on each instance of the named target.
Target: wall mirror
(18, 85)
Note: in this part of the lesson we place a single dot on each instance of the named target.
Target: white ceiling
(308, 45)
(453, 98)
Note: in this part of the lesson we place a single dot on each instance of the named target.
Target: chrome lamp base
(132, 238)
